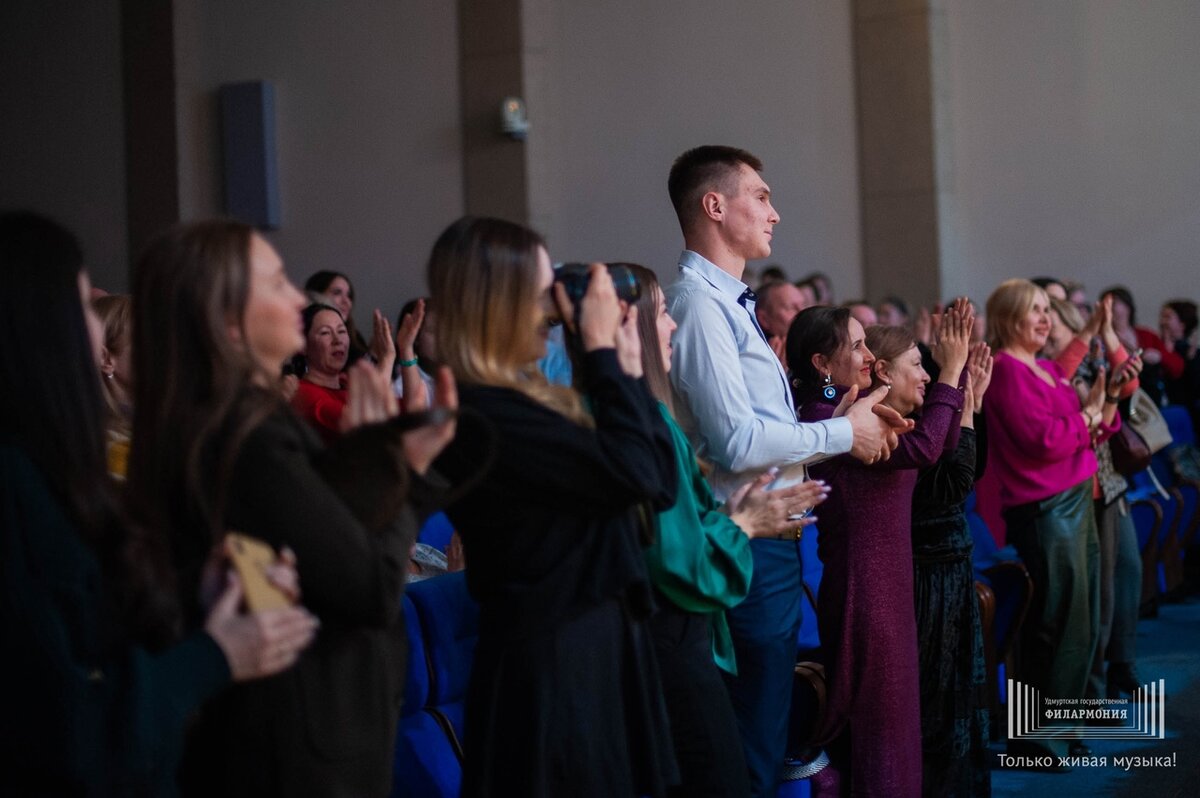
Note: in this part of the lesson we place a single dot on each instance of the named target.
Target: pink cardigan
(1038, 442)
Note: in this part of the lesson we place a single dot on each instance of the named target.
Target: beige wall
(62, 146)
(1075, 133)
(368, 134)
(617, 89)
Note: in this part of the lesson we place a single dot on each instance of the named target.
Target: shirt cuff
(840, 435)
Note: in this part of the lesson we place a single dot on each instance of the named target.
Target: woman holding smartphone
(99, 684)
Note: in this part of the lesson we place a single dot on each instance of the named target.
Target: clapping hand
(382, 349)
(979, 371)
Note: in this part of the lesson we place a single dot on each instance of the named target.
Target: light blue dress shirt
(731, 392)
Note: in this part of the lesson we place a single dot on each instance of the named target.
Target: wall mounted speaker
(248, 152)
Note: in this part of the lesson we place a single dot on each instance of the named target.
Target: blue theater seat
(436, 531)
(450, 619)
(425, 763)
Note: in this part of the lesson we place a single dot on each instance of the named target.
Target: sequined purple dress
(865, 614)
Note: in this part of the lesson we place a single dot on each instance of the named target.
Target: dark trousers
(703, 727)
(1120, 591)
(1057, 540)
(764, 629)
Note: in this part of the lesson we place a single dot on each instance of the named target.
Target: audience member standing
(954, 690)
(700, 564)
(98, 686)
(872, 721)
(564, 697)
(1040, 441)
(216, 448)
(735, 404)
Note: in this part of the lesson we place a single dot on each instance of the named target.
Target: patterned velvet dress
(954, 716)
(865, 613)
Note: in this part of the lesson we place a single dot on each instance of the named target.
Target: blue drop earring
(829, 392)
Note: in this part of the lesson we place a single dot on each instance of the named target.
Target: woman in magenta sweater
(1040, 437)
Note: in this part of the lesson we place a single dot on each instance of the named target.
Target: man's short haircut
(701, 170)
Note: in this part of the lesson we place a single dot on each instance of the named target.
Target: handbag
(1143, 432)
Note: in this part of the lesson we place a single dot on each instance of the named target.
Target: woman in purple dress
(865, 613)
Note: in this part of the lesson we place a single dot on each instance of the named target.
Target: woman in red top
(321, 396)
(1161, 363)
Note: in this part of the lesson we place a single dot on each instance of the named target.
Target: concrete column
(904, 160)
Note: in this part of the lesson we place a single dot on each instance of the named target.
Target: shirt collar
(713, 274)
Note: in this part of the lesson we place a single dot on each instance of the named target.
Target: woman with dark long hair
(953, 673)
(867, 622)
(99, 685)
(564, 697)
(216, 448)
(700, 565)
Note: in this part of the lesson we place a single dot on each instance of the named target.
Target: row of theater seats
(443, 625)
(1166, 514)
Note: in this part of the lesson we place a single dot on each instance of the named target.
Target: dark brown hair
(820, 330)
(52, 409)
(1185, 309)
(704, 169)
(652, 363)
(198, 394)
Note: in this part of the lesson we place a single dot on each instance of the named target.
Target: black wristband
(1110, 399)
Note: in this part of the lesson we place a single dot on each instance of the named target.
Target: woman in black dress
(953, 674)
(564, 696)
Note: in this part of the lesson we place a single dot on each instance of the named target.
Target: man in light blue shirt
(734, 402)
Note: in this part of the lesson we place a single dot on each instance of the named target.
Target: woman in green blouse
(700, 564)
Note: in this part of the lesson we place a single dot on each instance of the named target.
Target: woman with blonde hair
(1041, 439)
(564, 697)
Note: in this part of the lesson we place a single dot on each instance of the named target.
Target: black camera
(576, 276)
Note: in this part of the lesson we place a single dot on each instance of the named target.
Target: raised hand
(382, 347)
(600, 312)
(423, 444)
(416, 395)
(979, 370)
(954, 340)
(369, 397)
(406, 334)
